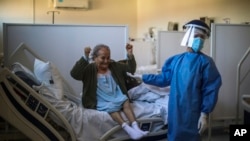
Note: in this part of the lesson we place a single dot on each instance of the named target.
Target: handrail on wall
(238, 82)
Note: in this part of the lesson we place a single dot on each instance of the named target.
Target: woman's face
(103, 59)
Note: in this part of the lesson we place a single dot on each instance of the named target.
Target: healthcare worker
(194, 84)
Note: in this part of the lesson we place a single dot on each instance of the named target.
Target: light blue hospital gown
(109, 95)
(195, 82)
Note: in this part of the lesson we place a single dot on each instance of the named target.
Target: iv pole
(53, 15)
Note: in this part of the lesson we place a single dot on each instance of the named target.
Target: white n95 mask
(197, 44)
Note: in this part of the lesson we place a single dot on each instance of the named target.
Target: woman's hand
(129, 49)
(87, 51)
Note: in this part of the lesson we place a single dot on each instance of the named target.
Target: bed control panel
(32, 102)
(42, 110)
(35, 105)
(146, 126)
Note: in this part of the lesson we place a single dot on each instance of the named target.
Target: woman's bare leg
(128, 111)
(117, 117)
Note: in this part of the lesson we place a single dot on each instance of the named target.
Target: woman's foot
(134, 134)
(136, 127)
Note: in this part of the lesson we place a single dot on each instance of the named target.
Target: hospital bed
(34, 109)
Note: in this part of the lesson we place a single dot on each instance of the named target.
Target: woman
(104, 86)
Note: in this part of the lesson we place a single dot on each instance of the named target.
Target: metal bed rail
(24, 109)
(239, 82)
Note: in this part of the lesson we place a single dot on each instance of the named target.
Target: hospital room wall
(108, 12)
(157, 13)
(139, 15)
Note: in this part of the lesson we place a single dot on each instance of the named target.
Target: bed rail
(27, 111)
(26, 56)
(239, 82)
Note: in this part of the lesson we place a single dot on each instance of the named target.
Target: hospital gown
(195, 82)
(109, 95)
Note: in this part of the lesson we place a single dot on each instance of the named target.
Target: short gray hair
(97, 48)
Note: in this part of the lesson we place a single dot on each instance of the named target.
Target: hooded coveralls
(195, 82)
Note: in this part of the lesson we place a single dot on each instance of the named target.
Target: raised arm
(78, 69)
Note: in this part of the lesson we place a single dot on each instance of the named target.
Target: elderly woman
(104, 85)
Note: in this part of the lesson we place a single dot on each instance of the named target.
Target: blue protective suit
(194, 84)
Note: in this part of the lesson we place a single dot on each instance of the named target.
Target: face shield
(193, 29)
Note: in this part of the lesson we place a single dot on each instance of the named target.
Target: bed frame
(27, 111)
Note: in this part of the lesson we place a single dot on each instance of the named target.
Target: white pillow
(42, 71)
(47, 73)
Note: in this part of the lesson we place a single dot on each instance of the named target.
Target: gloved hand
(136, 76)
(202, 123)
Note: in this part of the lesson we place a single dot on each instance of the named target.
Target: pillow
(42, 71)
(47, 73)
(25, 74)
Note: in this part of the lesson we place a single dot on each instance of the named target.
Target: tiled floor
(219, 134)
